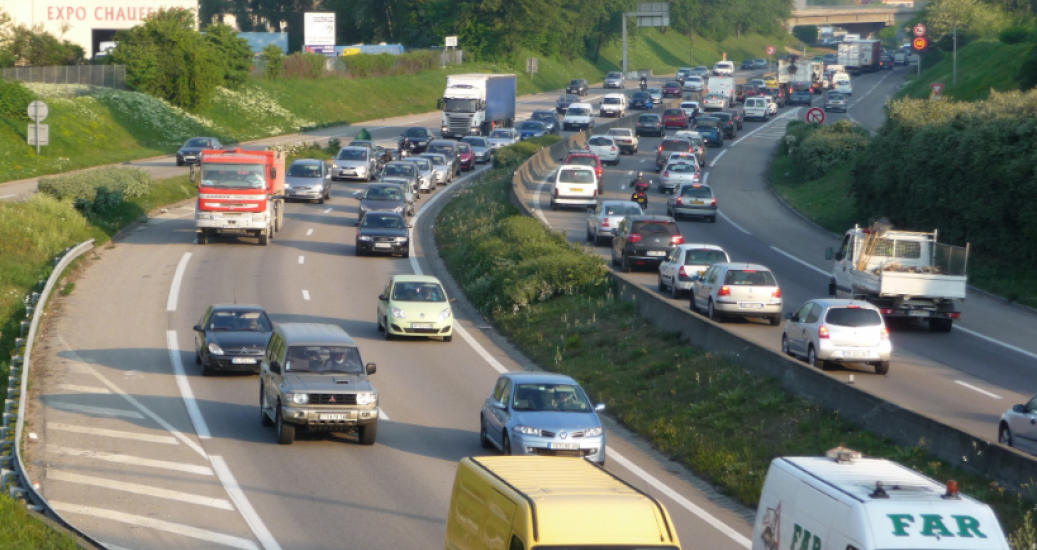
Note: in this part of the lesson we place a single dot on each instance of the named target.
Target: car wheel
(388, 334)
(785, 346)
(712, 313)
(775, 320)
(812, 359)
(263, 418)
(623, 264)
(662, 285)
(506, 446)
(367, 433)
(1004, 435)
(882, 367)
(285, 431)
(264, 237)
(675, 292)
(320, 200)
(484, 440)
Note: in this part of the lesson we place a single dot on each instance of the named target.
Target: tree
(234, 53)
(806, 34)
(274, 58)
(22, 45)
(942, 16)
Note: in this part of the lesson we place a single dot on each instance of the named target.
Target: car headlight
(401, 239)
(298, 398)
(594, 432)
(527, 430)
(366, 398)
(215, 350)
(287, 186)
(398, 313)
(364, 237)
(204, 216)
(444, 315)
(445, 129)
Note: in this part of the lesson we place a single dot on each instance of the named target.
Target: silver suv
(312, 378)
(737, 289)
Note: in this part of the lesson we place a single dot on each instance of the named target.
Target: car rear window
(613, 101)
(600, 140)
(577, 111)
(704, 256)
(673, 112)
(622, 210)
(575, 175)
(696, 192)
(749, 277)
(853, 317)
(649, 119)
(658, 228)
(673, 84)
(682, 167)
(675, 145)
(707, 123)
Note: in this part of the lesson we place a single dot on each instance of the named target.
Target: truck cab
(475, 104)
(240, 191)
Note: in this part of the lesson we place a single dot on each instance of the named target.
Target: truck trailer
(475, 104)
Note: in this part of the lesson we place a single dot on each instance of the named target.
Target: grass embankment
(19, 529)
(982, 65)
(703, 411)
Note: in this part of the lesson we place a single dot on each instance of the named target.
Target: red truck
(240, 191)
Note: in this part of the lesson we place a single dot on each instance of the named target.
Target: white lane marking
(178, 277)
(119, 434)
(538, 208)
(382, 415)
(151, 523)
(138, 489)
(99, 411)
(733, 224)
(309, 232)
(327, 211)
(630, 173)
(302, 260)
(83, 389)
(872, 89)
(186, 393)
(644, 161)
(131, 460)
(801, 262)
(244, 506)
(306, 295)
(676, 497)
(766, 125)
(976, 389)
(720, 154)
(998, 342)
(705, 179)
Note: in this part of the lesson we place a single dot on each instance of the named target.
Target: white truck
(724, 85)
(905, 274)
(800, 73)
(475, 104)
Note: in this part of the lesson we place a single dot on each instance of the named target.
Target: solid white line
(99, 411)
(382, 415)
(83, 389)
(110, 546)
(131, 460)
(872, 89)
(302, 260)
(735, 225)
(715, 159)
(309, 232)
(186, 393)
(676, 497)
(101, 432)
(980, 390)
(801, 262)
(767, 124)
(327, 211)
(139, 489)
(178, 277)
(151, 523)
(306, 295)
(998, 342)
(244, 506)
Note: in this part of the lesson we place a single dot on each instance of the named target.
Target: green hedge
(15, 99)
(514, 155)
(98, 190)
(367, 65)
(827, 147)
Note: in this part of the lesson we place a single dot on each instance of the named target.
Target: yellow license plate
(697, 202)
(577, 190)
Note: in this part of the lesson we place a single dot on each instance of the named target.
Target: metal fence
(108, 76)
(337, 66)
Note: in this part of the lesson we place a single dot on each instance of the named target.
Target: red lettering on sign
(80, 13)
(50, 13)
(109, 13)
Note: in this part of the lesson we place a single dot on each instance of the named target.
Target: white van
(841, 84)
(756, 107)
(574, 185)
(845, 502)
(614, 105)
(724, 68)
(579, 116)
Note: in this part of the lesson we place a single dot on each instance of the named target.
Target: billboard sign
(319, 29)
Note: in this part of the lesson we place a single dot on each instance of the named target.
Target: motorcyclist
(640, 182)
(405, 147)
(644, 83)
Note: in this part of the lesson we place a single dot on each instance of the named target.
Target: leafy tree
(942, 16)
(234, 53)
(274, 58)
(167, 58)
(24, 45)
(806, 34)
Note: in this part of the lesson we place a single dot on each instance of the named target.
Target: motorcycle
(641, 198)
(644, 84)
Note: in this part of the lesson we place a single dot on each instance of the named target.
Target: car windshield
(383, 194)
(397, 170)
(343, 359)
(621, 210)
(416, 133)
(577, 111)
(550, 397)
(297, 170)
(574, 175)
(505, 134)
(464, 148)
(583, 160)
(658, 228)
(197, 142)
(575, 83)
(233, 176)
(682, 168)
(672, 85)
(600, 141)
(612, 101)
(704, 256)
(460, 105)
(382, 221)
(422, 163)
(418, 292)
(655, 91)
(853, 317)
(531, 125)
(749, 277)
(641, 96)
(352, 154)
(615, 75)
(695, 78)
(475, 141)
(567, 99)
(673, 112)
(710, 123)
(228, 320)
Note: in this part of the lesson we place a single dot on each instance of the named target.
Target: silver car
(441, 167)
(481, 149)
(714, 102)
(835, 101)
(307, 179)
(354, 162)
(694, 84)
(615, 80)
(693, 199)
(657, 95)
(503, 137)
(426, 175)
(606, 217)
(737, 289)
(834, 330)
(686, 261)
(1018, 427)
(677, 172)
(534, 413)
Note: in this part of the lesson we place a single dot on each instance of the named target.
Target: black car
(739, 117)
(748, 65)
(419, 138)
(886, 62)
(549, 118)
(650, 124)
(641, 100)
(191, 152)
(383, 233)
(727, 123)
(564, 102)
(644, 241)
(231, 337)
(578, 86)
(668, 147)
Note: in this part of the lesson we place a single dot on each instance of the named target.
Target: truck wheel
(203, 237)
(285, 431)
(940, 325)
(368, 433)
(264, 237)
(263, 418)
(278, 217)
(882, 367)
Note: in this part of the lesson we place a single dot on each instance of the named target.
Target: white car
(772, 106)
(625, 139)
(606, 217)
(724, 68)
(836, 330)
(757, 108)
(686, 261)
(605, 147)
(614, 105)
(579, 116)
(574, 185)
(1018, 427)
(737, 289)
(841, 84)
(677, 172)
(694, 84)
(689, 108)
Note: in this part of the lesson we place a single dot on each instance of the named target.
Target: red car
(465, 156)
(583, 158)
(672, 89)
(675, 118)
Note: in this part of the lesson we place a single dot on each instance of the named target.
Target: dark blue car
(711, 130)
(531, 129)
(801, 96)
(641, 100)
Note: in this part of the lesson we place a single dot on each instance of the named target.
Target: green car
(415, 305)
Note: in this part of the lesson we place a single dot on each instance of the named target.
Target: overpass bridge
(862, 19)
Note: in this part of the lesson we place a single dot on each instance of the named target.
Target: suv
(644, 240)
(574, 185)
(385, 196)
(615, 80)
(312, 378)
(578, 116)
(744, 290)
(578, 86)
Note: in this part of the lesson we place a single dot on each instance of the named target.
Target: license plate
(750, 305)
(855, 354)
(656, 252)
(564, 446)
(382, 245)
(331, 416)
(576, 190)
(421, 325)
(698, 202)
(918, 313)
(243, 361)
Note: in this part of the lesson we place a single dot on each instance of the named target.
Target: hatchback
(231, 338)
(835, 101)
(693, 199)
(748, 65)
(672, 89)
(678, 172)
(441, 167)
(308, 179)
(565, 101)
(698, 145)
(728, 123)
(710, 130)
(578, 86)
(503, 137)
(656, 93)
(760, 63)
(465, 156)
(354, 162)
(714, 102)
(694, 84)
(738, 116)
(835, 330)
(605, 148)
(675, 118)
(614, 80)
(383, 232)
(549, 118)
(602, 223)
(1018, 427)
(481, 148)
(650, 124)
(686, 261)
(644, 241)
(529, 129)
(415, 305)
(737, 289)
(670, 145)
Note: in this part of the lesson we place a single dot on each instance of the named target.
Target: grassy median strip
(703, 411)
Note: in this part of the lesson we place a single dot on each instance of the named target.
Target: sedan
(481, 149)
(675, 118)
(700, 71)
(832, 330)
(441, 167)
(415, 305)
(549, 118)
(606, 217)
(641, 100)
(644, 241)
(615, 80)
(503, 137)
(307, 179)
(625, 139)
(384, 233)
(672, 89)
(1018, 427)
(714, 102)
(528, 129)
(693, 199)
(426, 174)
(686, 261)
(418, 138)
(656, 93)
(605, 148)
(542, 414)
(578, 86)
(563, 102)
(676, 173)
(383, 197)
(191, 152)
(354, 162)
(694, 84)
(650, 124)
(835, 101)
(231, 338)
(743, 290)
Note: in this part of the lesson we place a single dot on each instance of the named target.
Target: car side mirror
(357, 195)
(600, 407)
(1018, 408)
(275, 367)
(788, 315)
(829, 253)
(197, 328)
(382, 297)
(498, 405)
(371, 368)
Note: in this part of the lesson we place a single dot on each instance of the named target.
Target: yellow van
(544, 503)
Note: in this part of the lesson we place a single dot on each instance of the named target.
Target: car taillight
(952, 315)
(677, 239)
(660, 148)
(724, 291)
(886, 311)
(680, 200)
(822, 332)
(556, 192)
(776, 293)
(613, 147)
(713, 203)
(683, 272)
(605, 222)
(666, 173)
(634, 238)
(885, 333)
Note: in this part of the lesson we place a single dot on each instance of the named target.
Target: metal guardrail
(13, 477)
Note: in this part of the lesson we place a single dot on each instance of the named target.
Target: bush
(304, 66)
(273, 56)
(1014, 35)
(827, 147)
(367, 65)
(233, 52)
(98, 190)
(513, 156)
(415, 62)
(15, 99)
